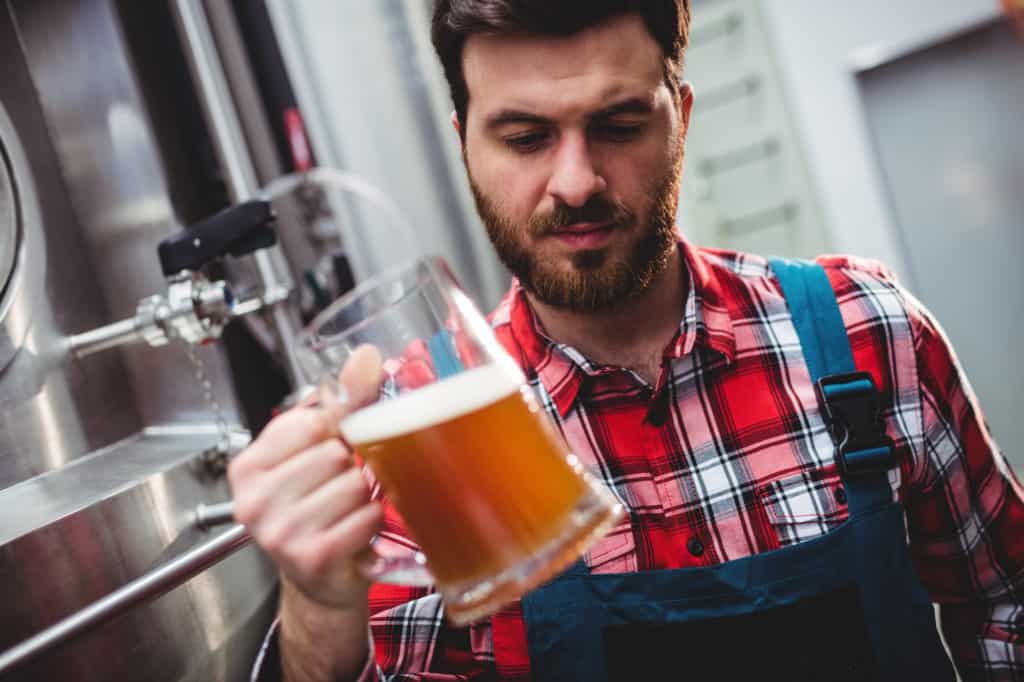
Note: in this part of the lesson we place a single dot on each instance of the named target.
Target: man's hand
(298, 492)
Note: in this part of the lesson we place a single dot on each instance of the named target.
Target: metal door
(946, 121)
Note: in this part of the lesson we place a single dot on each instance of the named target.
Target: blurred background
(143, 342)
(889, 130)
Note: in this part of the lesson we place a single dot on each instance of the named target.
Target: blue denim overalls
(843, 607)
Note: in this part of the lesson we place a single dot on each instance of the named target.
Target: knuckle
(274, 537)
(378, 519)
(239, 470)
(314, 425)
(362, 489)
(250, 504)
(243, 509)
(338, 454)
(269, 541)
(275, 426)
(356, 486)
(235, 475)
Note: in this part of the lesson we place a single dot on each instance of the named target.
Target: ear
(455, 124)
(686, 102)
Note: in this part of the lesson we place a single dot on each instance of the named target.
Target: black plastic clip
(236, 231)
(853, 414)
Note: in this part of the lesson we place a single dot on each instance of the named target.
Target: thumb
(359, 381)
(362, 376)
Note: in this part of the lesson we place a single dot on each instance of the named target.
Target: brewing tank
(105, 457)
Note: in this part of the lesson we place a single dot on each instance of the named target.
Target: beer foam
(442, 401)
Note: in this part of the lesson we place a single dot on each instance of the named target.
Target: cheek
(515, 189)
(522, 197)
(633, 176)
(629, 178)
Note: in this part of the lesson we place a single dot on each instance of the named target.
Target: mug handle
(402, 570)
(398, 570)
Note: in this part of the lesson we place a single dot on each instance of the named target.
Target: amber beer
(479, 477)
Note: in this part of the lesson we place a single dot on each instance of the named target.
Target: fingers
(336, 499)
(333, 500)
(303, 473)
(288, 434)
(304, 426)
(363, 375)
(308, 557)
(298, 492)
(348, 537)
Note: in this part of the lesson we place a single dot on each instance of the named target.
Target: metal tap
(193, 309)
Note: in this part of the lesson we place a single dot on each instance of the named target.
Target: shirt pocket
(804, 505)
(614, 553)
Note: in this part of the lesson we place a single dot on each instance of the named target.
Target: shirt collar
(563, 370)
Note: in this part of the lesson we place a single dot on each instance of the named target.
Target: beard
(598, 279)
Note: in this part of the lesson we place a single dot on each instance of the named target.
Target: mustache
(596, 210)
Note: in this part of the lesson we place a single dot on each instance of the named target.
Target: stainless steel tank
(102, 457)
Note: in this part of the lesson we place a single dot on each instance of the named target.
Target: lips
(584, 235)
(583, 228)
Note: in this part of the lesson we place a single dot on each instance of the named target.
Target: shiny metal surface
(107, 337)
(211, 515)
(194, 310)
(9, 229)
(51, 412)
(42, 500)
(226, 130)
(86, 555)
(78, 63)
(18, 214)
(136, 593)
(102, 460)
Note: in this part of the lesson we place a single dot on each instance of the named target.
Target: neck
(630, 334)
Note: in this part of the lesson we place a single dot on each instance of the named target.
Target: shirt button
(695, 546)
(840, 495)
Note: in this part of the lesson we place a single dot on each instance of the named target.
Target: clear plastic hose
(353, 184)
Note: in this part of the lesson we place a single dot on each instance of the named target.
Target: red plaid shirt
(728, 456)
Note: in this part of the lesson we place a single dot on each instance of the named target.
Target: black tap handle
(237, 231)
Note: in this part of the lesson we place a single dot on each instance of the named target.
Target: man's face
(574, 148)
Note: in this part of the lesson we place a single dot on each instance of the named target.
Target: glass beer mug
(479, 475)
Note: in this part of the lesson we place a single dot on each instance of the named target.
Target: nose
(575, 178)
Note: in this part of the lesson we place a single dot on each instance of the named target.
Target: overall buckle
(852, 412)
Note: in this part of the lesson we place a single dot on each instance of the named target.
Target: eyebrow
(633, 105)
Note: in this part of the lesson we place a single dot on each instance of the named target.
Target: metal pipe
(210, 515)
(135, 593)
(226, 132)
(224, 124)
(109, 336)
(265, 300)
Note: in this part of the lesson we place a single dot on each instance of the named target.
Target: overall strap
(444, 355)
(848, 399)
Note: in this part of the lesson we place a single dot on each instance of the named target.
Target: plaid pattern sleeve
(411, 639)
(728, 456)
(966, 517)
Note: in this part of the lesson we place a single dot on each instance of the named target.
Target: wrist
(321, 642)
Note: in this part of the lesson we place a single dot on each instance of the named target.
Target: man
(676, 373)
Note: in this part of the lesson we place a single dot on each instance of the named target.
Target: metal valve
(193, 308)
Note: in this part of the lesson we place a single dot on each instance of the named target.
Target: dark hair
(455, 21)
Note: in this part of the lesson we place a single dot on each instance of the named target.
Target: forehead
(558, 75)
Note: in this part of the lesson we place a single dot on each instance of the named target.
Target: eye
(525, 143)
(618, 132)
